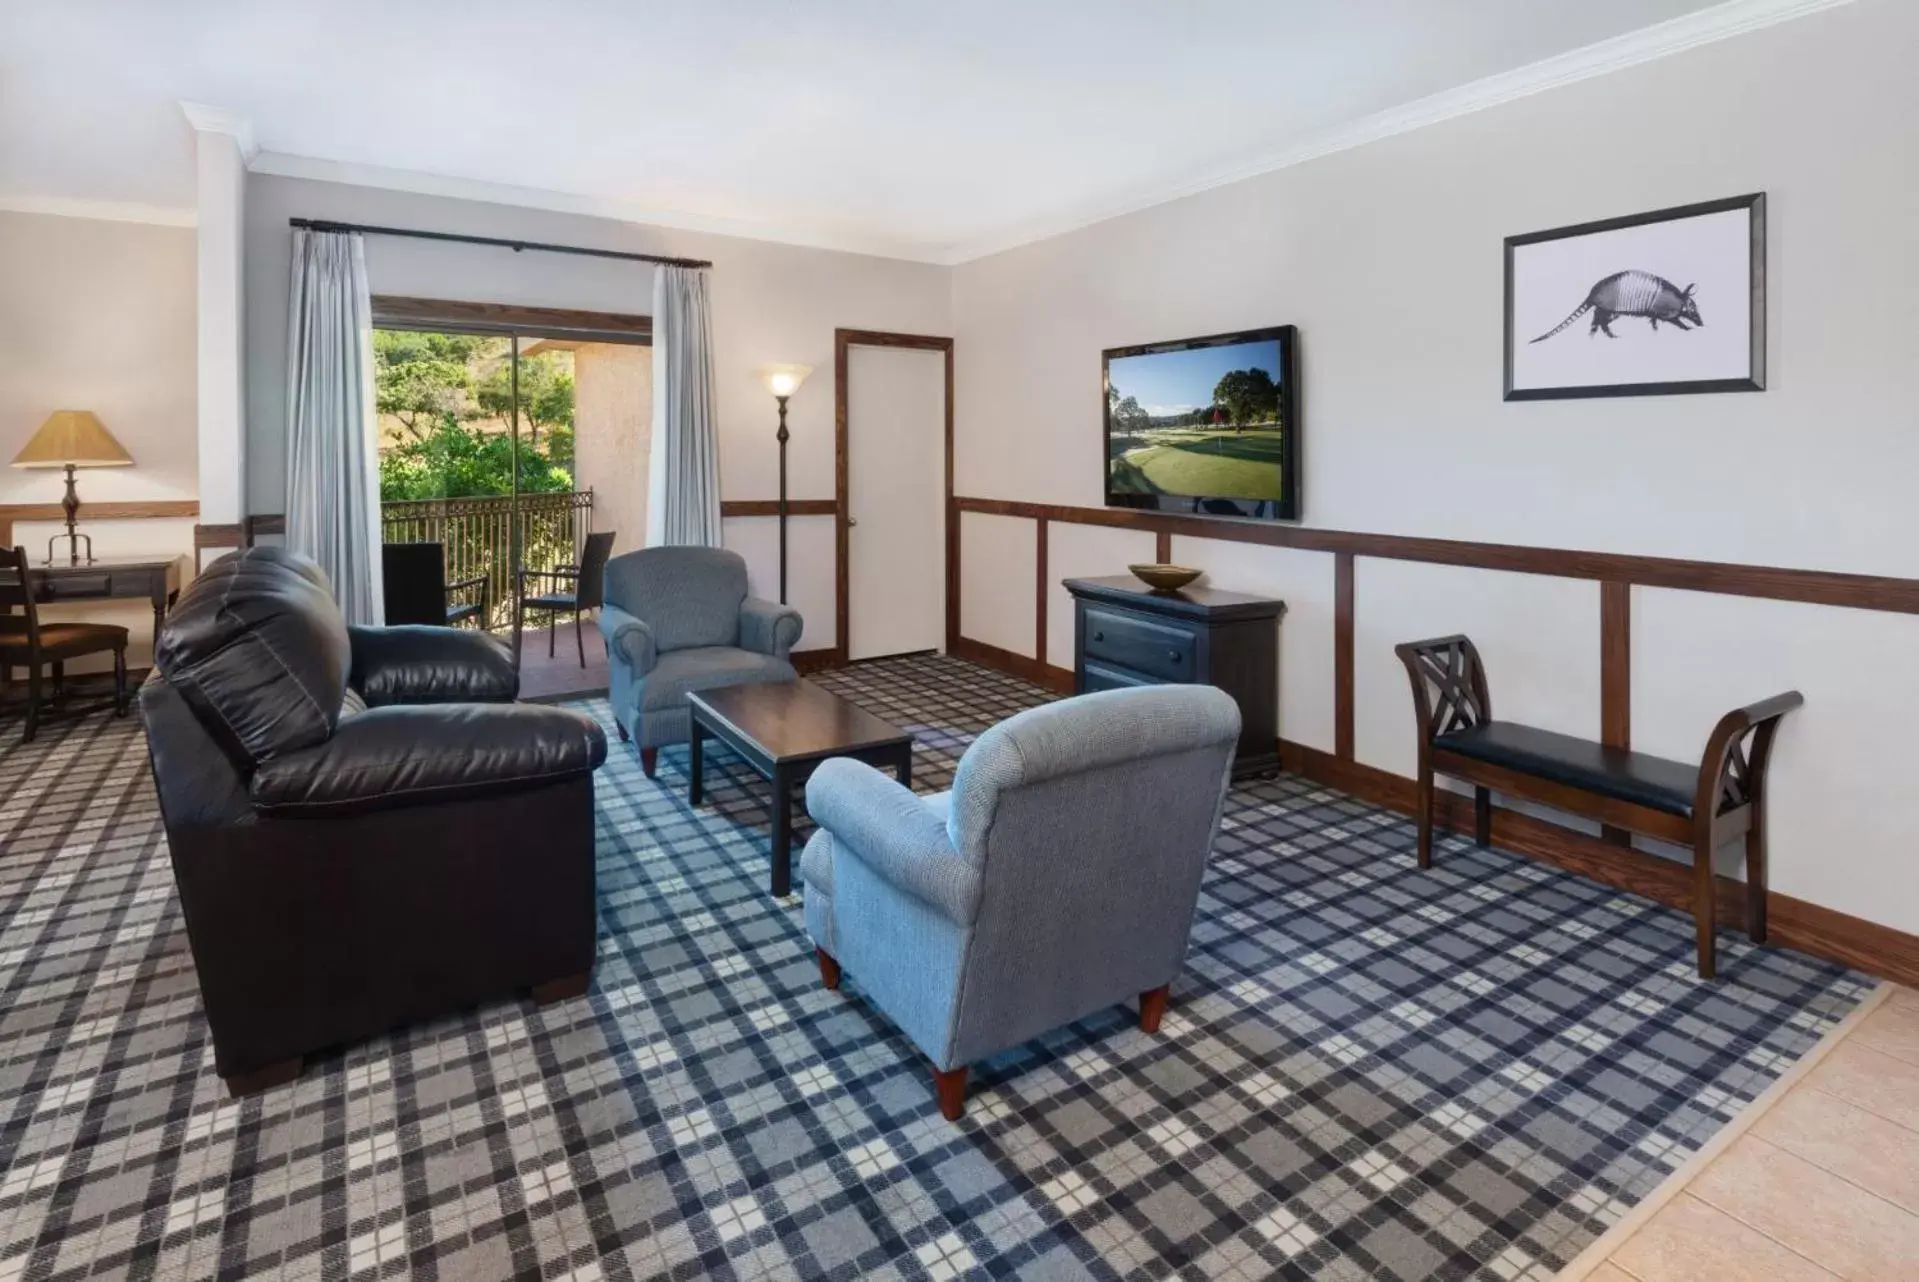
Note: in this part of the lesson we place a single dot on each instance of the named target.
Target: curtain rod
(321, 224)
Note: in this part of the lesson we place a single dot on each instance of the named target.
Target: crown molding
(1707, 26)
(218, 120)
(280, 164)
(112, 211)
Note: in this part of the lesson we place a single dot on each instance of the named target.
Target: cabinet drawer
(1156, 649)
(1099, 678)
(75, 586)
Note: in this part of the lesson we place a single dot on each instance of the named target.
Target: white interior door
(896, 496)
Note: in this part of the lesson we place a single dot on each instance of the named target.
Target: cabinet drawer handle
(1099, 636)
(1173, 655)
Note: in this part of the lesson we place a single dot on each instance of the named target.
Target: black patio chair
(416, 590)
(566, 589)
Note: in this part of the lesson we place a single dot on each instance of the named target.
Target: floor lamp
(783, 381)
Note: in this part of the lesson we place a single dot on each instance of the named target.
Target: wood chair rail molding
(105, 510)
(1608, 858)
(1813, 587)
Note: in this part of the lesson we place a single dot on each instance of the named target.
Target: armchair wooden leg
(1152, 1007)
(829, 968)
(950, 1085)
(649, 760)
(1703, 906)
(1483, 816)
(262, 1079)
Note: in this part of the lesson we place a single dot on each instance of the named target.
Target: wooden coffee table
(784, 730)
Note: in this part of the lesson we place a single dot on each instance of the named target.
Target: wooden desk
(154, 579)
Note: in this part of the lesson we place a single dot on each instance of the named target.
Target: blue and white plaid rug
(1366, 1071)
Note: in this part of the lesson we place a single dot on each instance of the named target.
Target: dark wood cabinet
(1127, 634)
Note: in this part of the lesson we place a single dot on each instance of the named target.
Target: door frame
(843, 341)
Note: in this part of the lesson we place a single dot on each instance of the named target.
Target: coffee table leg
(781, 806)
(695, 767)
(903, 766)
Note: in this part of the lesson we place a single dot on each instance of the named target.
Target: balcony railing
(493, 536)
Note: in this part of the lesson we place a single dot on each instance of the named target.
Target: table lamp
(71, 439)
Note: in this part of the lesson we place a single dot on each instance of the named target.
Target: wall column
(223, 145)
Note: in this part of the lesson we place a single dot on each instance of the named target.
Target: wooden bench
(1702, 806)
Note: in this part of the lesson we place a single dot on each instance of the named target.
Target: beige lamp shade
(72, 437)
(784, 380)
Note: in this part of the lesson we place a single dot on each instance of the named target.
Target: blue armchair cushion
(679, 673)
(628, 639)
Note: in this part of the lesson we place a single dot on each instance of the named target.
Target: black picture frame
(1755, 381)
(1284, 508)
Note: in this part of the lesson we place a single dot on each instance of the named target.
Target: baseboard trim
(807, 662)
(1038, 671)
(1794, 923)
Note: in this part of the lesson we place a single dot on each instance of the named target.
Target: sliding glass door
(477, 455)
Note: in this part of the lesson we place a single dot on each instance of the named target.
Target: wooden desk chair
(574, 589)
(27, 643)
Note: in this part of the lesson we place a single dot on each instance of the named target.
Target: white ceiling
(928, 129)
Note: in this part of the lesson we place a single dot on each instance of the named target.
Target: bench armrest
(1730, 777)
(882, 824)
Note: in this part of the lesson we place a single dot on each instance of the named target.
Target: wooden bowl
(1165, 578)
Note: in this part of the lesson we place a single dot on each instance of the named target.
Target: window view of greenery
(445, 405)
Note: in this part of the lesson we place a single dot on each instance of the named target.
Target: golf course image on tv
(1204, 425)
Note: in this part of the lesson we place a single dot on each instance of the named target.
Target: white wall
(100, 315)
(1388, 257)
(771, 303)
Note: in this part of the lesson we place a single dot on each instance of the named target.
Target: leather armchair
(677, 620)
(365, 829)
(1058, 877)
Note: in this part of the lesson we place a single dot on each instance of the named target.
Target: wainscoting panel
(1538, 636)
(1079, 552)
(809, 567)
(999, 576)
(1304, 581)
(1842, 765)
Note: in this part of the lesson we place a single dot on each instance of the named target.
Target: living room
(860, 871)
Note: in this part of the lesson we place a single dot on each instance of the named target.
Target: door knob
(852, 521)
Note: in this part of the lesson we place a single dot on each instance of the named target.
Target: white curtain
(333, 465)
(683, 481)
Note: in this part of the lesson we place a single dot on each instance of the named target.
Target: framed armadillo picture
(1649, 305)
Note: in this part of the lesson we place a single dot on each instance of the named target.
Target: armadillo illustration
(1633, 294)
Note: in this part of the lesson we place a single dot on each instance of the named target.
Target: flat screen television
(1205, 426)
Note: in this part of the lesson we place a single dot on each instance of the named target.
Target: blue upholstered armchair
(676, 620)
(1059, 876)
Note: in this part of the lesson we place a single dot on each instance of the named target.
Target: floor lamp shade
(71, 439)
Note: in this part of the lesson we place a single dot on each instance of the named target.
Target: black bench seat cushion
(1653, 782)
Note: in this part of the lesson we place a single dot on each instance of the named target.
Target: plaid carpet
(1366, 1072)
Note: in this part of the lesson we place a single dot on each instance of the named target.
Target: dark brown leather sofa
(365, 828)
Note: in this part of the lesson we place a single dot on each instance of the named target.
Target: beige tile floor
(1819, 1179)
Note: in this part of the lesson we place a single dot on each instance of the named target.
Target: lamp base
(71, 506)
(74, 540)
